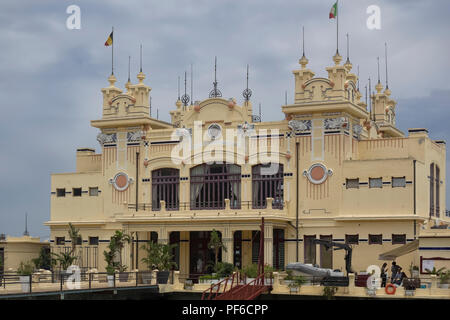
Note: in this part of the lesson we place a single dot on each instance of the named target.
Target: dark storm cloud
(50, 77)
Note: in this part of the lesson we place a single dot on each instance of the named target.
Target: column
(227, 239)
(268, 243)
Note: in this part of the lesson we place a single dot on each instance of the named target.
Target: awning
(400, 251)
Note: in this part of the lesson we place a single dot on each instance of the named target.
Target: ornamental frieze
(300, 125)
(103, 138)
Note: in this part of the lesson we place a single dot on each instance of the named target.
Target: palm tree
(74, 235)
(216, 244)
(65, 259)
(117, 243)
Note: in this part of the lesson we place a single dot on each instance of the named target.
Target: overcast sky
(50, 77)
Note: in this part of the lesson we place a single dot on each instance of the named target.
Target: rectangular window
(375, 182)
(79, 241)
(398, 182)
(352, 239)
(60, 241)
(60, 192)
(352, 183)
(398, 238)
(93, 241)
(76, 192)
(310, 249)
(375, 239)
(93, 192)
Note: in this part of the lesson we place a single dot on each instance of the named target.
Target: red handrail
(212, 294)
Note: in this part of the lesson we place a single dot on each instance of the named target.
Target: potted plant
(65, 260)
(25, 271)
(295, 283)
(251, 272)
(414, 271)
(111, 264)
(216, 244)
(117, 243)
(329, 292)
(444, 278)
(160, 257)
(209, 278)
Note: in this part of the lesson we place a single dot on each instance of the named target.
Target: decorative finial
(141, 75)
(26, 233)
(379, 86)
(185, 98)
(140, 63)
(192, 84)
(285, 98)
(303, 60)
(337, 58)
(247, 93)
(129, 62)
(178, 88)
(386, 91)
(358, 77)
(348, 65)
(214, 93)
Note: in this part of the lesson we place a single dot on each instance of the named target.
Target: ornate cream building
(343, 171)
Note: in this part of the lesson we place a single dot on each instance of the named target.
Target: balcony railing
(270, 203)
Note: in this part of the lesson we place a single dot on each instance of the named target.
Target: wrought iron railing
(210, 205)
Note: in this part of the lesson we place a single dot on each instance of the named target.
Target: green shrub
(224, 269)
(251, 271)
(25, 269)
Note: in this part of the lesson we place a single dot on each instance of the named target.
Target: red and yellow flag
(109, 41)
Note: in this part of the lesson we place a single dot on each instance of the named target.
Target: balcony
(270, 203)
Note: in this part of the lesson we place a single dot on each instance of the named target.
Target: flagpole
(337, 27)
(112, 52)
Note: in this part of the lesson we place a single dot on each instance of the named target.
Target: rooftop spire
(140, 62)
(387, 91)
(358, 77)
(192, 84)
(129, 61)
(303, 61)
(214, 93)
(348, 65)
(26, 233)
(247, 93)
(379, 86)
(141, 75)
(185, 98)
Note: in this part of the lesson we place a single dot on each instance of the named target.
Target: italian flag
(333, 11)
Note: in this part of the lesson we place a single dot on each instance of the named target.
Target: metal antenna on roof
(386, 61)
(260, 115)
(358, 78)
(378, 65)
(192, 84)
(26, 233)
(247, 93)
(140, 65)
(214, 93)
(129, 62)
(178, 87)
(185, 98)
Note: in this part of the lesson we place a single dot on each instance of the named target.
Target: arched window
(431, 189)
(267, 184)
(165, 186)
(212, 184)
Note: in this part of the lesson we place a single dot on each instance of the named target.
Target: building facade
(334, 168)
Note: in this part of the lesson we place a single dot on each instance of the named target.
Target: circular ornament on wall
(317, 173)
(214, 131)
(121, 181)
